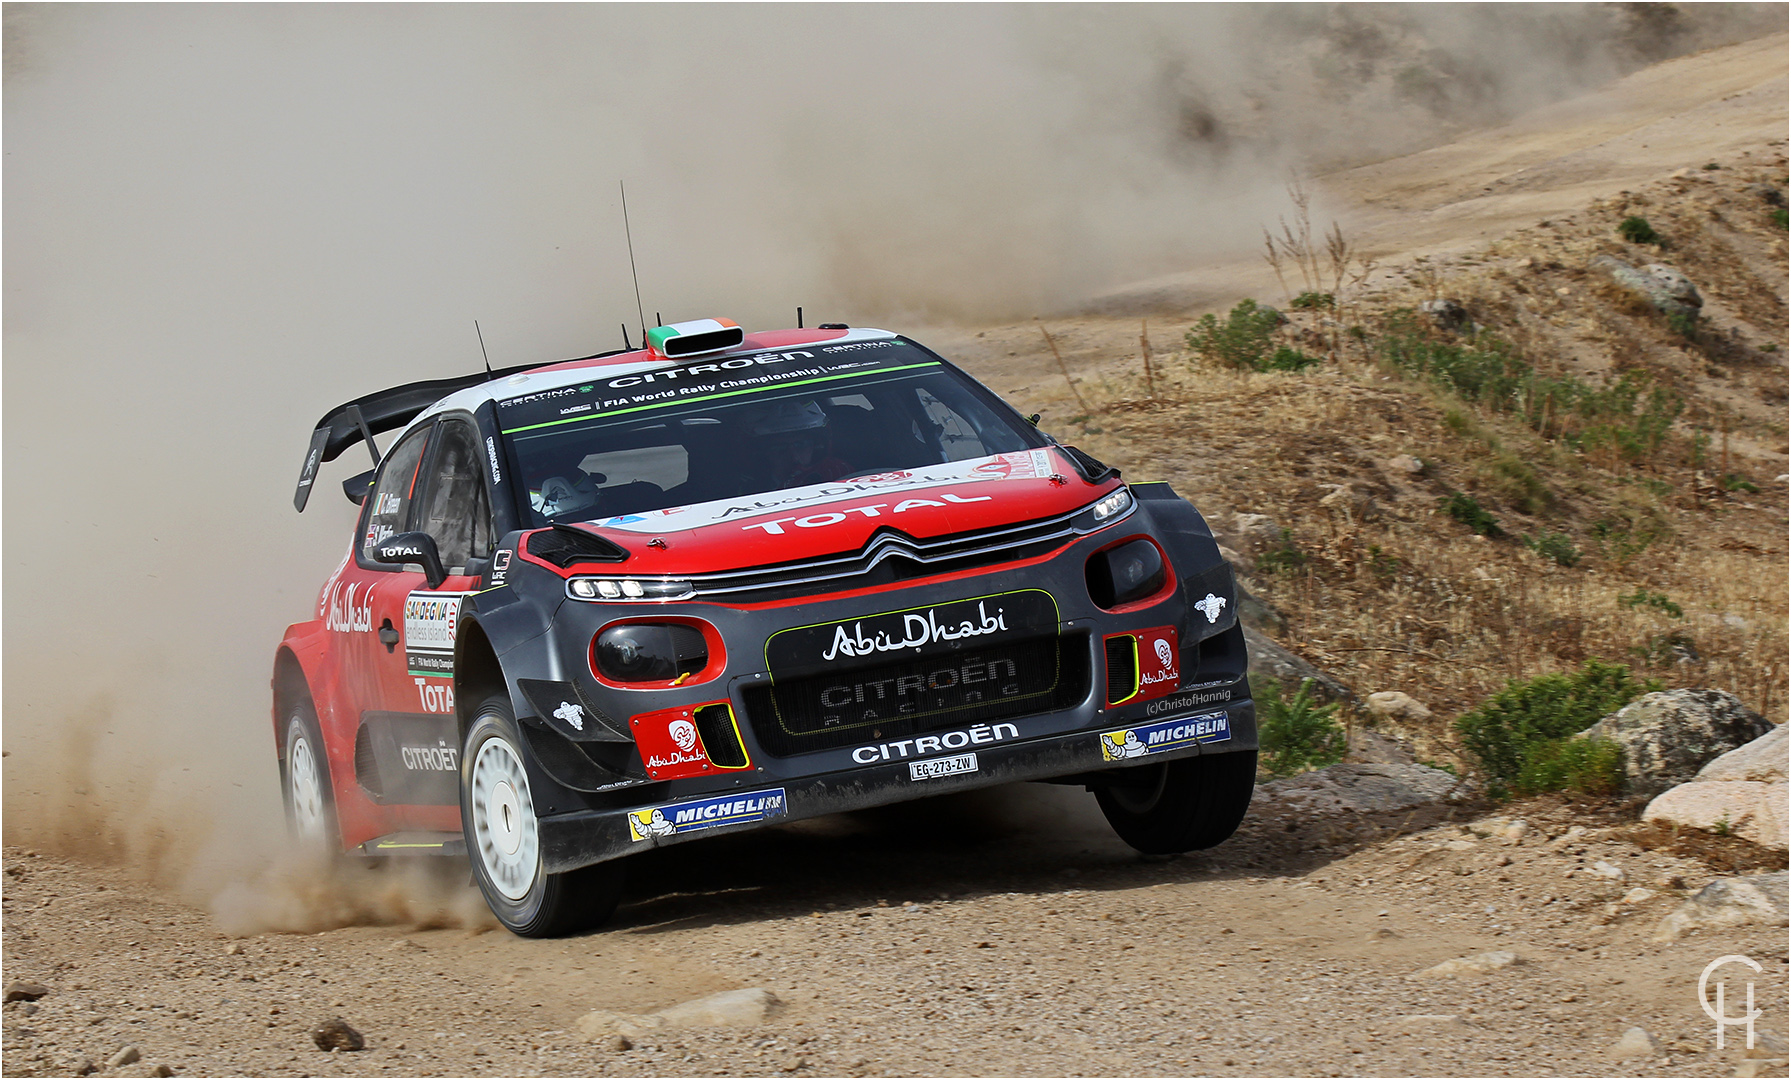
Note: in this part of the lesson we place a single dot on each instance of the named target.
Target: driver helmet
(790, 418)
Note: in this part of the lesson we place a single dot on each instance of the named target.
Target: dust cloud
(221, 220)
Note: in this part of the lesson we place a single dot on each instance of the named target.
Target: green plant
(1636, 230)
(1297, 733)
(1383, 566)
(1723, 826)
(1440, 766)
(1283, 558)
(1501, 732)
(1464, 509)
(1241, 341)
(1684, 324)
(1658, 601)
(1734, 482)
(1313, 300)
(1286, 359)
(1587, 766)
(1671, 647)
(1709, 165)
(1556, 546)
(1781, 218)
(1622, 539)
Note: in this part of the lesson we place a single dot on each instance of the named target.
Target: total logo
(347, 613)
(775, 527)
(436, 698)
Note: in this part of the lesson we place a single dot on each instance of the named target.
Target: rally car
(724, 581)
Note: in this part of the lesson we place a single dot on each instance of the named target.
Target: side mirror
(358, 487)
(412, 547)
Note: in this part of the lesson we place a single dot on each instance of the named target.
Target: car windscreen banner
(718, 381)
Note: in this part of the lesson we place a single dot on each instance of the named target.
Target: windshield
(743, 425)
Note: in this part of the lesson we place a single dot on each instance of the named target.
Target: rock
(1637, 895)
(1346, 500)
(21, 990)
(144, 1069)
(1766, 193)
(1432, 1023)
(1606, 870)
(1258, 616)
(1758, 898)
(83, 1066)
(1397, 706)
(1668, 290)
(1270, 661)
(126, 1055)
(615, 1043)
(235, 948)
(1372, 748)
(1763, 759)
(1360, 789)
(1446, 313)
(1239, 561)
(602, 1026)
(1668, 736)
(335, 1034)
(1406, 463)
(1483, 964)
(1257, 528)
(1635, 1043)
(1745, 808)
(1517, 830)
(1751, 1067)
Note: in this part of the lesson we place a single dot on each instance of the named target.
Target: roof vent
(695, 338)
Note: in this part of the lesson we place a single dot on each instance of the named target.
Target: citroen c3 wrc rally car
(729, 580)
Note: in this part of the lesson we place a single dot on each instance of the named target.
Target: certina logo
(347, 614)
(438, 758)
(897, 749)
(572, 714)
(711, 813)
(817, 521)
(1186, 701)
(544, 395)
(917, 630)
(497, 475)
(1211, 607)
(857, 345)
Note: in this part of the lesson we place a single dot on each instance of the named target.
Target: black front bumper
(572, 840)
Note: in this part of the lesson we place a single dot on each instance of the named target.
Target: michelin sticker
(676, 819)
(1164, 736)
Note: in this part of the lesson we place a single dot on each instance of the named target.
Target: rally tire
(503, 838)
(305, 783)
(1180, 805)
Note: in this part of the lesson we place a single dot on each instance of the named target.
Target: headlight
(649, 652)
(1120, 575)
(1113, 505)
(590, 588)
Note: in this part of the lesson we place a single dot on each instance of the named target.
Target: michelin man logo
(1164, 654)
(684, 733)
(572, 714)
(1118, 745)
(1211, 607)
(652, 823)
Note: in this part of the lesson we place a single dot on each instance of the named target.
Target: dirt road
(1005, 933)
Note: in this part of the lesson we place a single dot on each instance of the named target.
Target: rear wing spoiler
(365, 417)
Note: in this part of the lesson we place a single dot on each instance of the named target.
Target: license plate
(941, 766)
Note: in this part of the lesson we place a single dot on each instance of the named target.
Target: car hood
(831, 519)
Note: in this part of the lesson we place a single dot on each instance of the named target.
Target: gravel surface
(1004, 932)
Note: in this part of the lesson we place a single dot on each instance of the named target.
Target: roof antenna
(798, 316)
(638, 307)
(658, 319)
(626, 344)
(482, 351)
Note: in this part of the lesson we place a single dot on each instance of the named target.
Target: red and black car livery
(727, 580)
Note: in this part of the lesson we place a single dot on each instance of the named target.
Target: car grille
(1122, 668)
(885, 701)
(893, 556)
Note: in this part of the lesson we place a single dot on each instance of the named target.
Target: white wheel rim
(307, 790)
(504, 819)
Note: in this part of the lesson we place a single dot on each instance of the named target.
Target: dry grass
(1394, 595)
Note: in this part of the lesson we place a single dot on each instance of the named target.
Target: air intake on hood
(695, 338)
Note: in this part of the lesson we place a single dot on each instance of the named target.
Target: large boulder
(1758, 898)
(1743, 793)
(1670, 291)
(1270, 661)
(1362, 789)
(1668, 736)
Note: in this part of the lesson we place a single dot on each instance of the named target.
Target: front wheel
(305, 776)
(1181, 805)
(503, 838)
